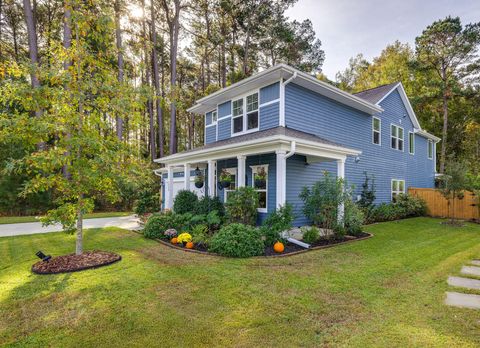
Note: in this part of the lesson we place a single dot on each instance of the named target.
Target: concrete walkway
(126, 222)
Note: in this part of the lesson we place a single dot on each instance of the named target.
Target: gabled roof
(275, 74)
(374, 95)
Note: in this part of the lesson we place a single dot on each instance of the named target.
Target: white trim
(211, 177)
(396, 191)
(430, 143)
(379, 131)
(233, 171)
(241, 170)
(341, 175)
(211, 125)
(245, 114)
(224, 117)
(273, 74)
(269, 103)
(281, 176)
(427, 135)
(410, 141)
(186, 176)
(397, 138)
(254, 168)
(281, 111)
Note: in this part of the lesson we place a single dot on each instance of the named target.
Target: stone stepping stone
(458, 299)
(475, 262)
(468, 283)
(471, 270)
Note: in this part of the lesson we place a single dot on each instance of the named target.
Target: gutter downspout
(293, 147)
(282, 98)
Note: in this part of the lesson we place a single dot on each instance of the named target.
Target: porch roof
(266, 141)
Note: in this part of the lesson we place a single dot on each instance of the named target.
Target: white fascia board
(427, 135)
(274, 74)
(260, 146)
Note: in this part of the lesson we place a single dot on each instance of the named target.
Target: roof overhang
(260, 146)
(427, 135)
(277, 73)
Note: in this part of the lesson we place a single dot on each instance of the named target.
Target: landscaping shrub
(208, 204)
(277, 222)
(367, 196)
(241, 206)
(200, 235)
(353, 219)
(147, 202)
(212, 220)
(157, 224)
(237, 240)
(310, 234)
(185, 202)
(405, 206)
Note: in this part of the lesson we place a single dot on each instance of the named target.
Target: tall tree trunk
(33, 53)
(118, 35)
(67, 43)
(245, 54)
(147, 80)
(445, 122)
(156, 81)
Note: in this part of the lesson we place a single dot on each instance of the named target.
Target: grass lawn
(384, 291)
(19, 219)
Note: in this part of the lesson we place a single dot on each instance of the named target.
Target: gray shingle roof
(265, 134)
(374, 95)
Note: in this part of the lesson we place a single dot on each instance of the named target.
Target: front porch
(285, 156)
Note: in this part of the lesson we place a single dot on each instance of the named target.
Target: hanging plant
(225, 178)
(260, 177)
(199, 180)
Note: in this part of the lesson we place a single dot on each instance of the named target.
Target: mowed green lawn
(384, 291)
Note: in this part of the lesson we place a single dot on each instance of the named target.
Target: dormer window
(245, 119)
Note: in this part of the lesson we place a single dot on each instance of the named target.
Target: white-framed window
(214, 116)
(396, 137)
(411, 143)
(430, 149)
(233, 183)
(376, 131)
(261, 186)
(398, 187)
(245, 119)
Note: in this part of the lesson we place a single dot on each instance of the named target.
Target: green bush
(241, 206)
(405, 206)
(353, 219)
(185, 202)
(157, 224)
(147, 202)
(237, 240)
(277, 222)
(200, 234)
(212, 220)
(208, 204)
(310, 234)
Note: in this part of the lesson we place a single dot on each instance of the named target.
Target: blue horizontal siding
(210, 134)
(269, 116)
(269, 93)
(224, 109)
(224, 128)
(208, 118)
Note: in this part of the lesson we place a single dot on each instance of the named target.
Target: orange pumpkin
(189, 245)
(278, 247)
(173, 240)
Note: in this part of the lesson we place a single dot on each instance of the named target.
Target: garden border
(81, 268)
(168, 244)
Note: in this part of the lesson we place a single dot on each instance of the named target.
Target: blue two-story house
(294, 127)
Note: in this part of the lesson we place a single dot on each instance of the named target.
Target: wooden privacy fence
(437, 204)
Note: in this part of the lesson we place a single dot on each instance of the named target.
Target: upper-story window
(245, 119)
(411, 143)
(397, 137)
(214, 116)
(376, 130)
(430, 149)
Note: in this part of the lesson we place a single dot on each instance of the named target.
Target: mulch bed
(74, 263)
(290, 248)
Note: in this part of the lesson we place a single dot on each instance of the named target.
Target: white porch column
(281, 177)
(169, 191)
(341, 175)
(211, 177)
(186, 175)
(241, 170)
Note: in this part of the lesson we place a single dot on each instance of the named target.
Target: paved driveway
(126, 222)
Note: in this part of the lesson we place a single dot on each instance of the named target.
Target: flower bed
(74, 263)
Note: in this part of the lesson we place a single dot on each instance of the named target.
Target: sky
(349, 27)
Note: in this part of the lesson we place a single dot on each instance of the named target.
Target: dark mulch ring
(73, 262)
(290, 248)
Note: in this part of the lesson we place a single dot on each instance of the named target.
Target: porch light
(42, 256)
(198, 172)
(357, 159)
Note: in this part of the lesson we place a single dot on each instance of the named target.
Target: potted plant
(199, 181)
(225, 178)
(260, 177)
